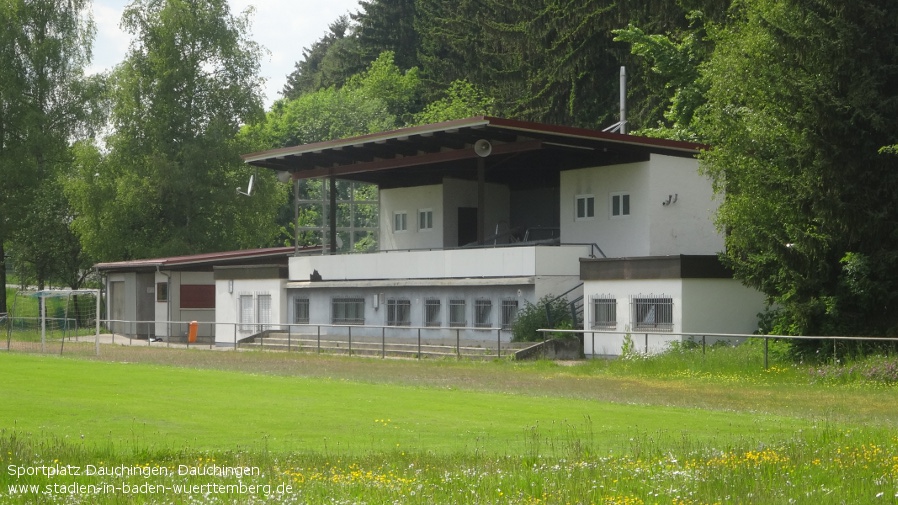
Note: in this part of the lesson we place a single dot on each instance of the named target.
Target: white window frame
(400, 221)
(617, 212)
(588, 207)
(425, 219)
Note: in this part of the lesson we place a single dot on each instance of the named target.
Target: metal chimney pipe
(623, 100)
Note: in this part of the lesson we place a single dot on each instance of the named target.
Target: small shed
(156, 298)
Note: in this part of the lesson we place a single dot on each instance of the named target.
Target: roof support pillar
(481, 200)
(332, 217)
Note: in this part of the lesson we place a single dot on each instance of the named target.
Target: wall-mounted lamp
(230, 286)
(670, 199)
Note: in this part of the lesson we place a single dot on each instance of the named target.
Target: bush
(532, 317)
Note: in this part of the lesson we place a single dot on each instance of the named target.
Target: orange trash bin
(191, 331)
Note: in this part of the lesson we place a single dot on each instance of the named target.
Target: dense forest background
(796, 99)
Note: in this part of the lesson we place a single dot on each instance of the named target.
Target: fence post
(419, 344)
(318, 347)
(835, 355)
(646, 344)
(703, 345)
(458, 343)
(498, 343)
(765, 352)
(593, 337)
(289, 338)
(350, 340)
(383, 342)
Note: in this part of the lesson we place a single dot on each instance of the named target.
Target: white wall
(410, 201)
(686, 225)
(460, 193)
(652, 229)
(617, 236)
(720, 306)
(456, 263)
(700, 306)
(226, 293)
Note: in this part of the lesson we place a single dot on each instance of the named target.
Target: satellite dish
(483, 148)
(285, 177)
(249, 187)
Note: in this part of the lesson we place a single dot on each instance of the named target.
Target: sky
(282, 27)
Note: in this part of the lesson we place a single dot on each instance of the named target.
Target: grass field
(683, 428)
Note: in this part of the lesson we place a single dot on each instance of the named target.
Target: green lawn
(683, 430)
(220, 410)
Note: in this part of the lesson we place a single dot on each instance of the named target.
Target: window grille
(263, 311)
(457, 313)
(483, 313)
(245, 312)
(432, 313)
(652, 313)
(399, 312)
(348, 311)
(301, 311)
(509, 313)
(604, 312)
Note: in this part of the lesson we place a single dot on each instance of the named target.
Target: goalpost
(50, 316)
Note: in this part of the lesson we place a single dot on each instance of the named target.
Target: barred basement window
(483, 313)
(432, 313)
(509, 313)
(399, 312)
(348, 311)
(604, 312)
(300, 311)
(457, 313)
(652, 313)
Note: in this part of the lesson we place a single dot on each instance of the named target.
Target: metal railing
(656, 342)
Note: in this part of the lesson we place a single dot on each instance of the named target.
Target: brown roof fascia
(269, 158)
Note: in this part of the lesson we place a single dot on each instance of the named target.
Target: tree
(378, 99)
(462, 100)
(44, 47)
(801, 99)
(388, 25)
(189, 81)
(325, 64)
